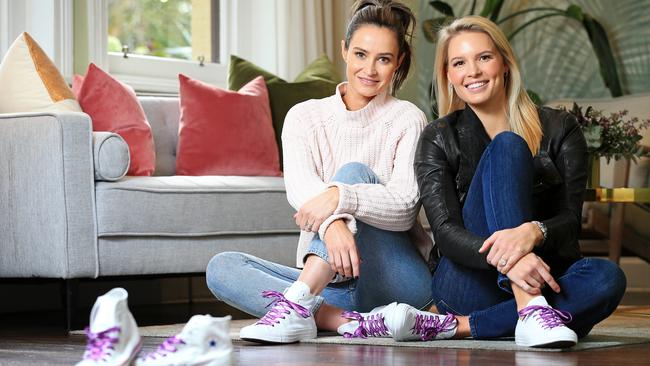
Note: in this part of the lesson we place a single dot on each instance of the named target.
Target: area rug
(620, 329)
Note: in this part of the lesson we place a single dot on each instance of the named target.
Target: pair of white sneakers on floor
(290, 320)
(113, 338)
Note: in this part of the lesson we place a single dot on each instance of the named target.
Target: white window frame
(156, 74)
(53, 31)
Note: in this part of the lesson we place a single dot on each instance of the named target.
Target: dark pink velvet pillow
(114, 107)
(223, 132)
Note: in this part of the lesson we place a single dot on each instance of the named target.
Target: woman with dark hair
(348, 169)
(502, 184)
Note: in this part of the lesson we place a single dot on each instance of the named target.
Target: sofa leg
(69, 300)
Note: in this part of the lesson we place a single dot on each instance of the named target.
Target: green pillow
(317, 80)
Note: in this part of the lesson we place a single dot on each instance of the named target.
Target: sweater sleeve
(301, 178)
(391, 205)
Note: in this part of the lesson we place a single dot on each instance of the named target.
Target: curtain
(304, 32)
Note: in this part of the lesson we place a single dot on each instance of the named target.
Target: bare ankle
(463, 330)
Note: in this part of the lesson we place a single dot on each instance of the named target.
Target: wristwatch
(543, 229)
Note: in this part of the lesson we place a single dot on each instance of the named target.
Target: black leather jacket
(447, 156)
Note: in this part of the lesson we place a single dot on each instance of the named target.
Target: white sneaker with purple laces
(113, 337)
(540, 325)
(204, 340)
(400, 321)
(286, 322)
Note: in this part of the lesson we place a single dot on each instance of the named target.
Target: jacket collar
(469, 122)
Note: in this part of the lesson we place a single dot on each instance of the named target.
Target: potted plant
(615, 136)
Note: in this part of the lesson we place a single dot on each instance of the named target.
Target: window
(149, 42)
(181, 29)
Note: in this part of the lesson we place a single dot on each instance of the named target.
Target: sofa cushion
(110, 156)
(30, 82)
(193, 206)
(113, 106)
(318, 80)
(163, 115)
(224, 132)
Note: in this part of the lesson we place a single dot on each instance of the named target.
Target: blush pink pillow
(223, 132)
(114, 107)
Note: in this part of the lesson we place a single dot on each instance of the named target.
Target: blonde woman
(502, 183)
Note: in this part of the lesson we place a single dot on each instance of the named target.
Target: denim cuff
(504, 283)
(472, 326)
(319, 300)
(316, 251)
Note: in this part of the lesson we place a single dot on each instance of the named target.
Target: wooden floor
(37, 339)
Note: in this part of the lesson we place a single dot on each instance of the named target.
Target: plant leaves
(575, 12)
(442, 7)
(430, 27)
(602, 48)
(491, 9)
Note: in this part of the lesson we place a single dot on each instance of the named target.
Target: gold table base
(632, 195)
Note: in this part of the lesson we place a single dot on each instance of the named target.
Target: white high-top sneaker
(203, 341)
(113, 337)
(289, 320)
(400, 321)
(540, 325)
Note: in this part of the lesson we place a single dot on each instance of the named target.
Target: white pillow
(30, 82)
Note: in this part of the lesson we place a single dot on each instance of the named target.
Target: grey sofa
(66, 213)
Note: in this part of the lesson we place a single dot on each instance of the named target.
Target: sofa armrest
(47, 207)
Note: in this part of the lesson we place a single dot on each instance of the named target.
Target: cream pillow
(30, 82)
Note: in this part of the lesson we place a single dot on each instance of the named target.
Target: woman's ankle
(463, 330)
(329, 317)
(522, 298)
(316, 274)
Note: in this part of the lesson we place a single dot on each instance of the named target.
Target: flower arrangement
(615, 136)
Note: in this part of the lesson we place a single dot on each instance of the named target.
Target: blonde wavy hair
(522, 112)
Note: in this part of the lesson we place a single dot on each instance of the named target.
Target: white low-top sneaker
(113, 337)
(400, 321)
(540, 325)
(286, 322)
(204, 340)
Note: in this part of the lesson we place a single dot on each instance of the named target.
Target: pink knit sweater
(321, 135)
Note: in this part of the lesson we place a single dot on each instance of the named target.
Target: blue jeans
(392, 268)
(500, 197)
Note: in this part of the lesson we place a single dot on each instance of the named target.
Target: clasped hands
(511, 252)
(342, 253)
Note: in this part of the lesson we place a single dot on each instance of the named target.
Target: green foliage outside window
(151, 27)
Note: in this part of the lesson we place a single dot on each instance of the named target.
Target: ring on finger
(503, 262)
(307, 227)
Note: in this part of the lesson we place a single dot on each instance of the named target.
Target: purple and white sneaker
(400, 321)
(286, 322)
(204, 340)
(113, 337)
(540, 325)
(379, 322)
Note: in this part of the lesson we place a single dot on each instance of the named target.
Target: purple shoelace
(549, 317)
(429, 326)
(100, 344)
(281, 307)
(168, 346)
(370, 326)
